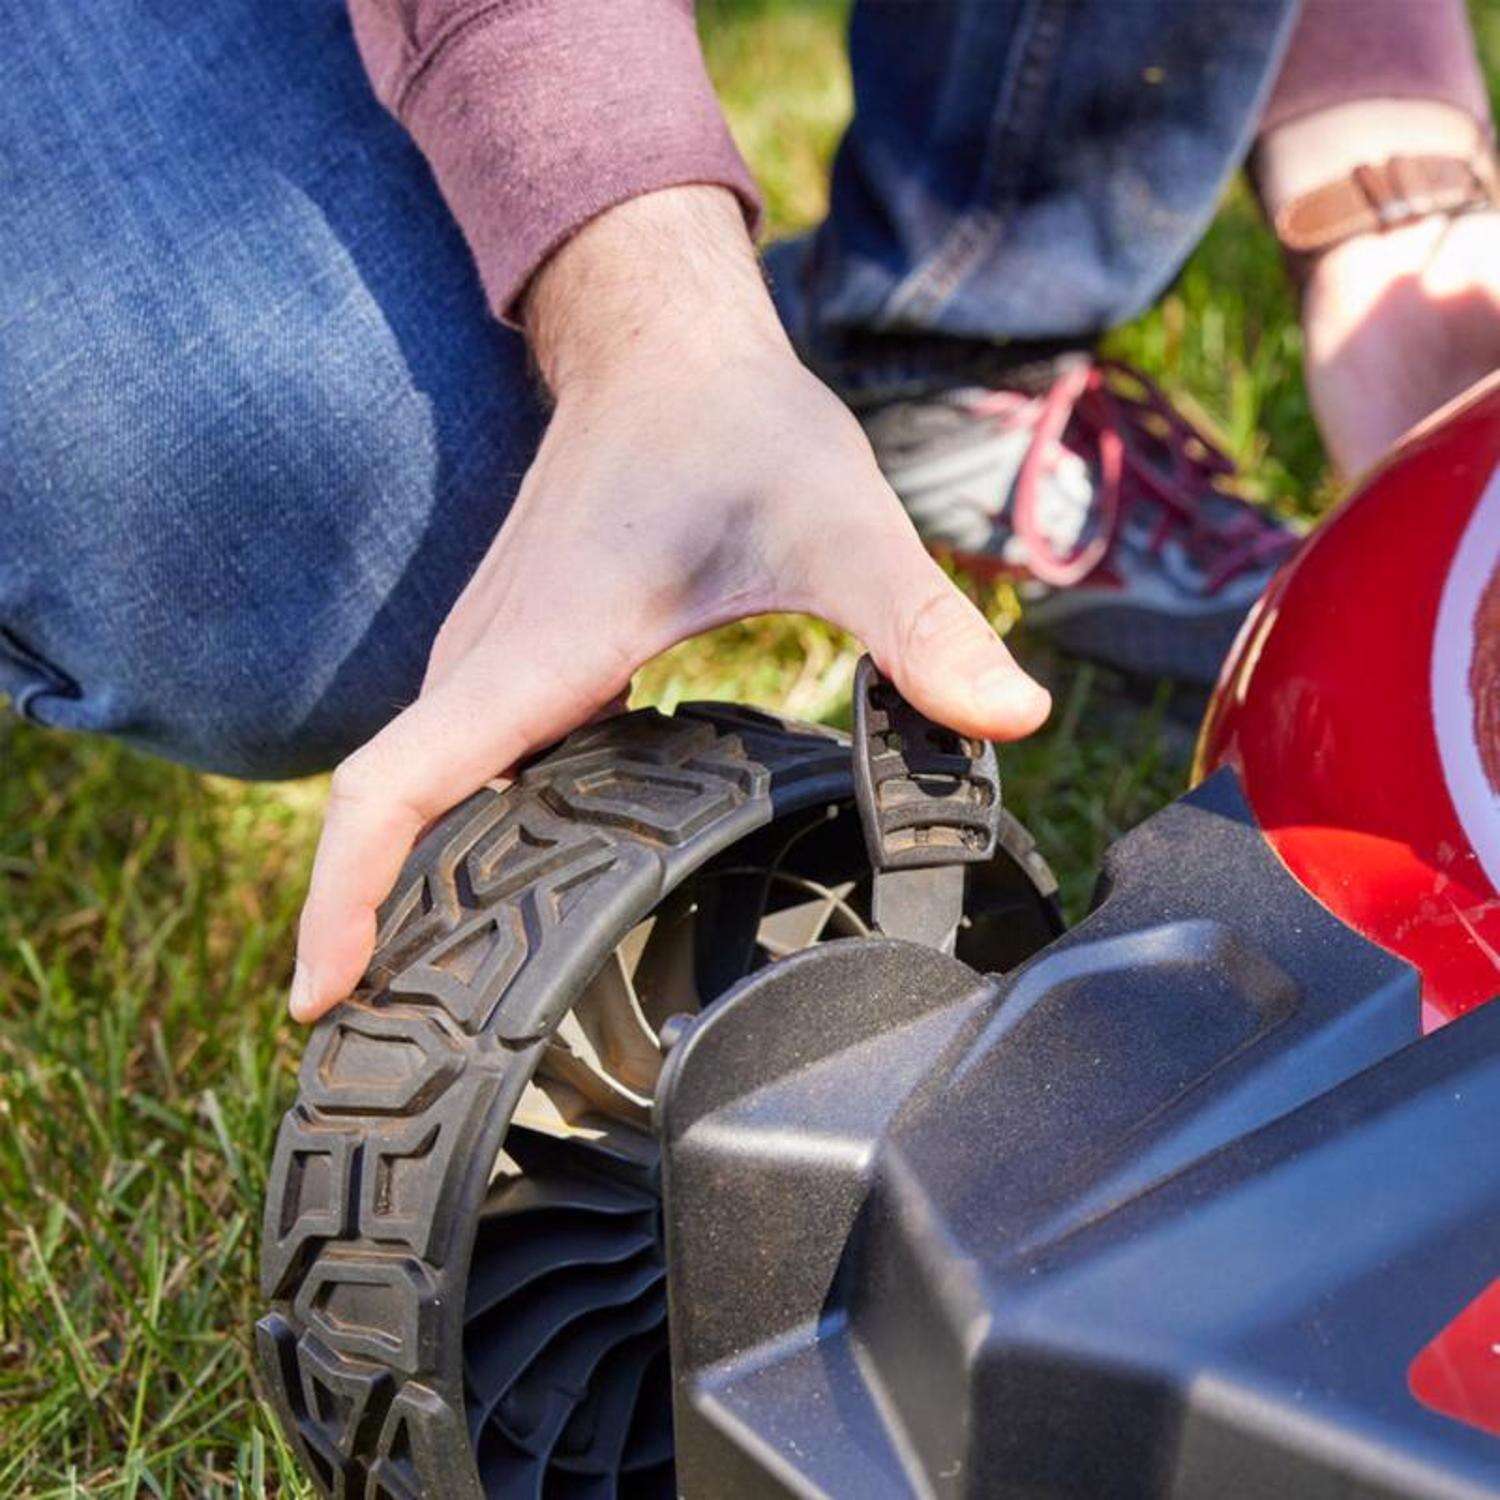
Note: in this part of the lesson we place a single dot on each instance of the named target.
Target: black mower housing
(1168, 1210)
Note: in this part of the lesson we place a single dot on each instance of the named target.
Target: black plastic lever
(929, 803)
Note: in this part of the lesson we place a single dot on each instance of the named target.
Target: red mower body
(1361, 709)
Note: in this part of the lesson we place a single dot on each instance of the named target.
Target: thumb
(939, 650)
(472, 726)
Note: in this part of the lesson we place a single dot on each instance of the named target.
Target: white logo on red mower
(1466, 680)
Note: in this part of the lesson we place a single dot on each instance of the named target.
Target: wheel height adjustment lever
(929, 804)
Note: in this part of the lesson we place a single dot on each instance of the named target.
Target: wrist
(665, 281)
(1313, 150)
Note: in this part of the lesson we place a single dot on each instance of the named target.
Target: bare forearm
(668, 273)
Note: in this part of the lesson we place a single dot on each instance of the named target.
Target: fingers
(946, 658)
(933, 643)
(366, 836)
(454, 738)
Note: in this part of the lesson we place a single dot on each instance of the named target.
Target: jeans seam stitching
(48, 680)
(1014, 131)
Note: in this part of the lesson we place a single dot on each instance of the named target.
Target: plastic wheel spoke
(571, 1060)
(516, 1262)
(610, 1015)
(557, 1381)
(543, 1193)
(800, 925)
(599, 1147)
(650, 1440)
(665, 976)
(507, 1339)
(594, 1439)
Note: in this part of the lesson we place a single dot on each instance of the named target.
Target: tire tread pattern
(500, 916)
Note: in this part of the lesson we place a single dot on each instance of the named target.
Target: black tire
(395, 1376)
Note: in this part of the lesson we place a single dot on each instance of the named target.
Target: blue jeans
(256, 427)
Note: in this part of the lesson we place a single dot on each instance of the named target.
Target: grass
(147, 915)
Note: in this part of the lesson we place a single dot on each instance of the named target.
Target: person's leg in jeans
(1026, 170)
(256, 425)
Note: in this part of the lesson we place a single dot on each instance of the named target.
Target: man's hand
(693, 473)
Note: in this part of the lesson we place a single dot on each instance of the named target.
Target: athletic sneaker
(1109, 507)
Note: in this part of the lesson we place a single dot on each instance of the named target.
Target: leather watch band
(1383, 195)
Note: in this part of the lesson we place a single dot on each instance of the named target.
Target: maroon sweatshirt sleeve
(536, 115)
(1347, 50)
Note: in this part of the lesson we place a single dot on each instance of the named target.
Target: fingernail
(300, 1000)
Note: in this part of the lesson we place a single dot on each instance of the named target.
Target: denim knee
(236, 552)
(256, 424)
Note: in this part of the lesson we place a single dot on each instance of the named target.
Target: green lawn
(147, 915)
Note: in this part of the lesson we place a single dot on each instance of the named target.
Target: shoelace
(1132, 426)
